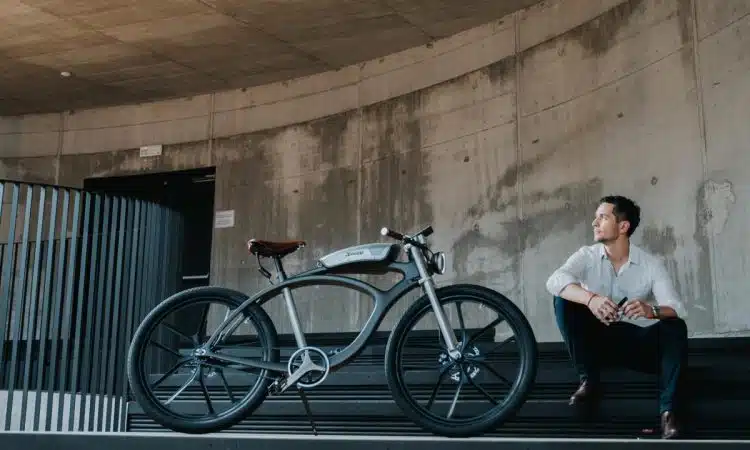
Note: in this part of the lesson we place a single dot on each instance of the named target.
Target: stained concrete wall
(503, 137)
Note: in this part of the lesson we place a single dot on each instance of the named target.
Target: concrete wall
(503, 137)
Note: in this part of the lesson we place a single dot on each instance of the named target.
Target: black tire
(138, 380)
(519, 391)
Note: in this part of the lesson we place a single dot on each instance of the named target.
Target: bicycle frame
(415, 273)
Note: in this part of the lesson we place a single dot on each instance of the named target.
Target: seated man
(641, 334)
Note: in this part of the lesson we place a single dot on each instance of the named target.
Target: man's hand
(603, 309)
(635, 308)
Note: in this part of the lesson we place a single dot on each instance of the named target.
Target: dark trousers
(659, 349)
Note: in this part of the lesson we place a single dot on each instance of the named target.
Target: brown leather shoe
(669, 429)
(585, 394)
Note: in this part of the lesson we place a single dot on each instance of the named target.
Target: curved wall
(503, 137)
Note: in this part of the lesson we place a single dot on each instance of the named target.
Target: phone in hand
(619, 308)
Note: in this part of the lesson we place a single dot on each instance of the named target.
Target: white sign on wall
(150, 150)
(224, 219)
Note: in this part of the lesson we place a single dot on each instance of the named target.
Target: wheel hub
(463, 363)
(198, 358)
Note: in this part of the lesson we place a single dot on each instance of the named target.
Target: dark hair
(624, 209)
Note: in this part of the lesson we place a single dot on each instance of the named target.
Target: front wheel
(478, 394)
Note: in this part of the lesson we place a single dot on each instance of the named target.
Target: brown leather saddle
(273, 249)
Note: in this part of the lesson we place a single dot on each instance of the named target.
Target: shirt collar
(634, 254)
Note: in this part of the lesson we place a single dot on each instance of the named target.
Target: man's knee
(673, 332)
(562, 307)
(566, 306)
(562, 314)
(569, 313)
(674, 327)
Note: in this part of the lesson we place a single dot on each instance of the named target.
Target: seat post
(291, 308)
(280, 273)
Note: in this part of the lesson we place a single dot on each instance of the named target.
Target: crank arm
(306, 367)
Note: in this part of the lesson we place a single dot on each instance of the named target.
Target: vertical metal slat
(105, 323)
(87, 366)
(134, 263)
(149, 290)
(95, 401)
(17, 308)
(66, 316)
(41, 362)
(55, 336)
(75, 364)
(35, 300)
(8, 265)
(116, 317)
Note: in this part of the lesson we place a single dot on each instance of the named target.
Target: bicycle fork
(428, 286)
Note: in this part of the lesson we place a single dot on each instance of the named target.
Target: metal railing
(78, 271)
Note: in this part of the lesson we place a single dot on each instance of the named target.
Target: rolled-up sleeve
(572, 271)
(664, 291)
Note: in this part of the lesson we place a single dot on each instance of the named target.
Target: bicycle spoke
(461, 322)
(485, 357)
(494, 372)
(412, 367)
(177, 332)
(483, 330)
(202, 325)
(206, 395)
(435, 390)
(502, 344)
(226, 385)
(165, 348)
(479, 388)
(182, 388)
(455, 397)
(169, 372)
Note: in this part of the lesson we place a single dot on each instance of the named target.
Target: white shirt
(643, 276)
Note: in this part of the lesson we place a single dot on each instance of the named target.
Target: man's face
(606, 226)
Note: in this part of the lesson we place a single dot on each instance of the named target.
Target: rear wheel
(477, 394)
(187, 394)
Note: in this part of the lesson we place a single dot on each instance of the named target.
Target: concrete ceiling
(129, 51)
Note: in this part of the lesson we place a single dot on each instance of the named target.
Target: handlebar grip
(385, 231)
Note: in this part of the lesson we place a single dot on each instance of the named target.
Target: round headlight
(438, 262)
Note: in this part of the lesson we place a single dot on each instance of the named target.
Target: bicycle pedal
(277, 387)
(306, 404)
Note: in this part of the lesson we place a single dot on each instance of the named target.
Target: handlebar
(434, 260)
(385, 231)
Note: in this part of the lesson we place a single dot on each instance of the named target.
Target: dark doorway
(189, 192)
